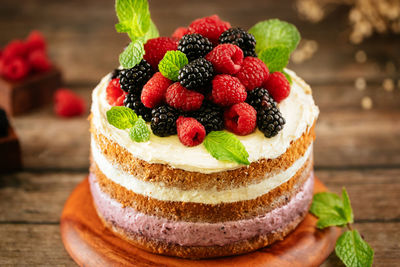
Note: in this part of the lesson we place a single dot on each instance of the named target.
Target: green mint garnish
(134, 18)
(353, 250)
(332, 210)
(226, 146)
(132, 54)
(288, 77)
(274, 32)
(121, 117)
(139, 132)
(171, 63)
(276, 57)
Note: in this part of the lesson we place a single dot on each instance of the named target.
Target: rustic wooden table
(355, 148)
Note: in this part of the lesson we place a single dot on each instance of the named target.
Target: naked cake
(202, 143)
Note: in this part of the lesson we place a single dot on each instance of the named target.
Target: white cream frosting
(298, 109)
(212, 196)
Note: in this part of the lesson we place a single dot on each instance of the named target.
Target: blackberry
(269, 119)
(163, 121)
(196, 74)
(133, 102)
(194, 46)
(3, 123)
(132, 80)
(241, 38)
(115, 73)
(210, 116)
(257, 95)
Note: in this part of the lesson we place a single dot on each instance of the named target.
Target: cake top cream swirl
(298, 109)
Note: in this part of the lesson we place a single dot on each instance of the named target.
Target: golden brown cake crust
(189, 211)
(153, 172)
(200, 252)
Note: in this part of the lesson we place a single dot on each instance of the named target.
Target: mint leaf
(276, 57)
(139, 132)
(226, 146)
(152, 32)
(171, 63)
(274, 32)
(132, 54)
(348, 211)
(328, 207)
(133, 16)
(353, 250)
(121, 117)
(288, 77)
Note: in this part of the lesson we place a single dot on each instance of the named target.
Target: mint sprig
(276, 57)
(171, 63)
(139, 132)
(335, 211)
(132, 54)
(226, 146)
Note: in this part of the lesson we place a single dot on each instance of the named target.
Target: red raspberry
(253, 73)
(181, 98)
(35, 41)
(179, 32)
(154, 90)
(114, 94)
(278, 86)
(190, 131)
(226, 58)
(39, 61)
(240, 119)
(14, 49)
(227, 90)
(68, 104)
(15, 69)
(156, 48)
(210, 27)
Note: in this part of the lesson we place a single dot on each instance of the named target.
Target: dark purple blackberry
(210, 116)
(133, 102)
(241, 38)
(3, 123)
(269, 119)
(163, 121)
(194, 46)
(115, 73)
(132, 80)
(257, 95)
(197, 74)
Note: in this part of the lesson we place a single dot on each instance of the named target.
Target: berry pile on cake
(202, 142)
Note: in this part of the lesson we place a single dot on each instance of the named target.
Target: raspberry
(210, 27)
(227, 90)
(196, 75)
(253, 73)
(163, 120)
(39, 61)
(226, 58)
(179, 32)
(194, 46)
(14, 49)
(241, 119)
(241, 38)
(35, 41)
(154, 90)
(181, 98)
(68, 104)
(156, 48)
(190, 131)
(278, 86)
(114, 94)
(15, 69)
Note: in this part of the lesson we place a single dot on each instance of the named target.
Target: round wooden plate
(91, 244)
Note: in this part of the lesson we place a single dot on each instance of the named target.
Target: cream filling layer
(161, 192)
(298, 109)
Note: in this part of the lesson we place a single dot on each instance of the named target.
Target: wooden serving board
(91, 244)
